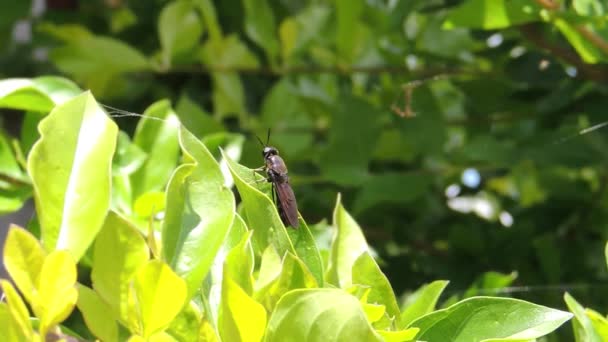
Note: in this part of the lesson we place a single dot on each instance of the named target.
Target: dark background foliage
(451, 128)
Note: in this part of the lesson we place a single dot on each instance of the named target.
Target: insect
(282, 194)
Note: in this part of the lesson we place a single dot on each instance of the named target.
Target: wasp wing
(286, 203)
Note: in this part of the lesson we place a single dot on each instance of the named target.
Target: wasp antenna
(260, 140)
(267, 137)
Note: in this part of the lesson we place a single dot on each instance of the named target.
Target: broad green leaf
(347, 246)
(294, 275)
(96, 60)
(196, 224)
(306, 250)
(95, 313)
(239, 264)
(319, 315)
(348, 22)
(23, 259)
(421, 302)
(72, 183)
(118, 252)
(56, 292)
(179, 29)
(196, 119)
(365, 271)
(159, 294)
(36, 94)
(345, 161)
(493, 14)
(158, 139)
(582, 324)
(20, 327)
(260, 213)
(484, 318)
(240, 318)
(261, 28)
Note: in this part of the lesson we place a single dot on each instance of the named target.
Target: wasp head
(269, 151)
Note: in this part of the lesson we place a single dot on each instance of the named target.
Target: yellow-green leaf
(241, 318)
(157, 295)
(72, 183)
(23, 258)
(56, 290)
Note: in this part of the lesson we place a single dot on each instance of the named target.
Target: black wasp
(282, 194)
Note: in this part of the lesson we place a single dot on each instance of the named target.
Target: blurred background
(464, 136)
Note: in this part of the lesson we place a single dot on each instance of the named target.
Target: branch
(589, 71)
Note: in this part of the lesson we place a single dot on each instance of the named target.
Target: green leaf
(239, 264)
(97, 59)
(261, 28)
(118, 252)
(319, 315)
(23, 259)
(421, 302)
(158, 295)
(37, 94)
(95, 313)
(179, 29)
(195, 118)
(72, 183)
(293, 275)
(20, 327)
(56, 293)
(260, 213)
(347, 246)
(345, 161)
(241, 318)
(199, 214)
(493, 14)
(348, 13)
(158, 139)
(582, 324)
(306, 250)
(365, 271)
(482, 318)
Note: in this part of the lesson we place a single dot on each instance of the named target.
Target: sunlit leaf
(199, 214)
(481, 318)
(95, 313)
(319, 315)
(159, 294)
(72, 184)
(119, 251)
(241, 318)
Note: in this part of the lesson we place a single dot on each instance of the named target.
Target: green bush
(393, 104)
(206, 270)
